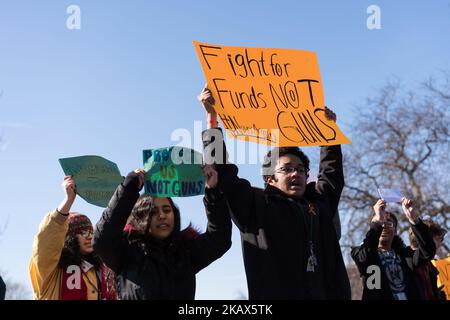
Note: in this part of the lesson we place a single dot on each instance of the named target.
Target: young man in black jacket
(289, 242)
(386, 265)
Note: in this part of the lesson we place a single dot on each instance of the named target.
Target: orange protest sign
(271, 96)
(443, 266)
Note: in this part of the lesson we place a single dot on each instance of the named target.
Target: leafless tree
(401, 139)
(14, 289)
(355, 281)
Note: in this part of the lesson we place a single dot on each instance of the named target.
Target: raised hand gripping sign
(173, 172)
(96, 178)
(270, 96)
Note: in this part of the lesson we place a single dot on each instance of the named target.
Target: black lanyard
(312, 259)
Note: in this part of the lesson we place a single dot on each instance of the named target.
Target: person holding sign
(386, 265)
(64, 265)
(139, 237)
(290, 246)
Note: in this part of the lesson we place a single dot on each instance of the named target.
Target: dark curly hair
(137, 232)
(139, 220)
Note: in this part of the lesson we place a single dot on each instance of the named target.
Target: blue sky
(129, 77)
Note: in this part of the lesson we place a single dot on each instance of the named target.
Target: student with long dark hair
(139, 237)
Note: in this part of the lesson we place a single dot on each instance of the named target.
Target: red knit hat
(78, 223)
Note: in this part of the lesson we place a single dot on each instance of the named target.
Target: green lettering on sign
(173, 172)
(96, 178)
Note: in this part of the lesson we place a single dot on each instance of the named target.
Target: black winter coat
(366, 255)
(2, 289)
(275, 230)
(159, 269)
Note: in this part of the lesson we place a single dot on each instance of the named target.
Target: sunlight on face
(162, 218)
(290, 176)
(85, 241)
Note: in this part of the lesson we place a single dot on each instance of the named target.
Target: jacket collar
(274, 191)
(86, 266)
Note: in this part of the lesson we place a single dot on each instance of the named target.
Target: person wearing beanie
(64, 265)
(139, 238)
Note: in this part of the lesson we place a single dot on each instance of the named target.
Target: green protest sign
(173, 172)
(96, 178)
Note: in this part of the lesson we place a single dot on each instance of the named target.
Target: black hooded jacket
(366, 256)
(276, 230)
(159, 269)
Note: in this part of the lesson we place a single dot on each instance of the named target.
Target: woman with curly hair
(64, 265)
(139, 237)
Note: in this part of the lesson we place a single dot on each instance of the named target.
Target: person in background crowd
(64, 265)
(427, 273)
(386, 265)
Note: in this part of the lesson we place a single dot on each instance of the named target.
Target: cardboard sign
(443, 266)
(96, 178)
(173, 172)
(269, 96)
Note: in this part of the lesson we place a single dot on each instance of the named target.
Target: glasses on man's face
(87, 233)
(288, 170)
(388, 224)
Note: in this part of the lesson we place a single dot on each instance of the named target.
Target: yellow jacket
(45, 274)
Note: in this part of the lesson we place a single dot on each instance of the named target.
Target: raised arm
(212, 244)
(239, 192)
(109, 242)
(49, 241)
(361, 254)
(330, 180)
(426, 248)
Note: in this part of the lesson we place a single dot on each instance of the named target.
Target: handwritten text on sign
(173, 172)
(96, 177)
(271, 96)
